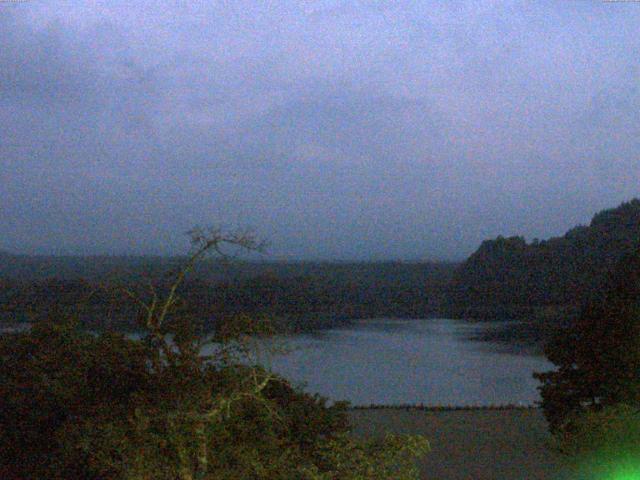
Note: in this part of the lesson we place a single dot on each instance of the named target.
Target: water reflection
(389, 361)
(409, 361)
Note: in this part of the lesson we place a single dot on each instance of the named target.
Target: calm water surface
(409, 361)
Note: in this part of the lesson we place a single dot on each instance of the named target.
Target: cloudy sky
(337, 129)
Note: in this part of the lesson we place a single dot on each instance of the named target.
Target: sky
(363, 130)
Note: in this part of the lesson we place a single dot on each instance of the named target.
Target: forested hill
(303, 295)
(510, 275)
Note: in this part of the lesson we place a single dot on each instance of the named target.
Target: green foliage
(603, 444)
(79, 405)
(389, 458)
(598, 355)
(75, 405)
(612, 431)
(52, 380)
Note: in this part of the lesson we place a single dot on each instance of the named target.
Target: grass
(471, 444)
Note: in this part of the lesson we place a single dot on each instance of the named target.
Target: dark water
(409, 361)
(388, 361)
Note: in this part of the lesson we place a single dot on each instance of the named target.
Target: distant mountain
(509, 272)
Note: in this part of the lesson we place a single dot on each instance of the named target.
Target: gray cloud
(338, 129)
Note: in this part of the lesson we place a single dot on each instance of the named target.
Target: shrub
(598, 355)
(81, 406)
(603, 443)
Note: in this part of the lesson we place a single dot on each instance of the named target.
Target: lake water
(409, 362)
(431, 361)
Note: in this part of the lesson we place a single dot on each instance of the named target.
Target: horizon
(339, 130)
(266, 258)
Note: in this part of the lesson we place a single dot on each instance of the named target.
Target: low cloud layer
(337, 129)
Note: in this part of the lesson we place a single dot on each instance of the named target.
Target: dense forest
(301, 296)
(508, 277)
(542, 281)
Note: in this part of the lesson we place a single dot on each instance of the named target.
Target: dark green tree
(75, 405)
(598, 355)
(508, 277)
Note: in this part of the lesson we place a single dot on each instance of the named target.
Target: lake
(431, 361)
(390, 361)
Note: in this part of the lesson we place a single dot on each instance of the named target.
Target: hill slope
(509, 275)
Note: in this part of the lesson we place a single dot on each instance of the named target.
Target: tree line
(298, 297)
(76, 405)
(510, 277)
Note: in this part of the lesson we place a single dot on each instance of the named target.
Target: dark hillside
(302, 295)
(511, 276)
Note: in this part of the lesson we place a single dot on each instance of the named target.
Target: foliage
(297, 296)
(598, 355)
(509, 274)
(390, 458)
(603, 443)
(611, 431)
(78, 405)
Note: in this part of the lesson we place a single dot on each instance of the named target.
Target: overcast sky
(337, 129)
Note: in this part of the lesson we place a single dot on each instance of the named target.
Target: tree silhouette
(598, 355)
(75, 405)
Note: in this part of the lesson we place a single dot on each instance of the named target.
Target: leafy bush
(78, 405)
(604, 443)
(612, 430)
(598, 355)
